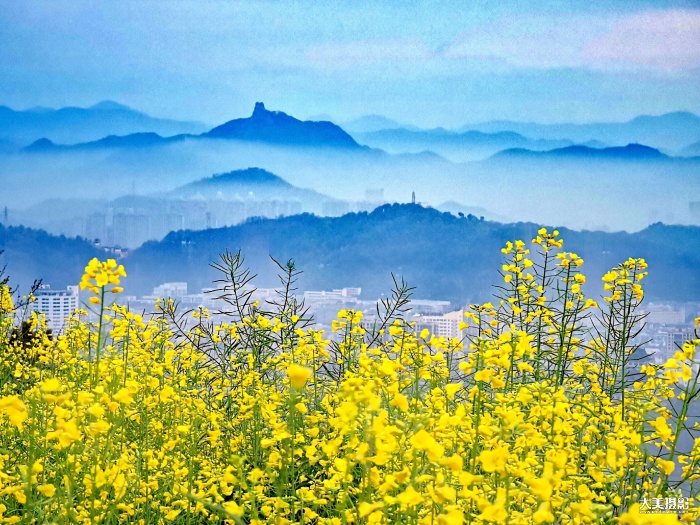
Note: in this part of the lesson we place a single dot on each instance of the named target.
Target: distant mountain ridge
(249, 183)
(413, 242)
(628, 152)
(75, 125)
(134, 140)
(466, 145)
(263, 126)
(279, 128)
(369, 123)
(692, 150)
(416, 243)
(672, 131)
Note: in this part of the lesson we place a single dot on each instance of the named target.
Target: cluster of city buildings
(665, 331)
(130, 227)
(132, 220)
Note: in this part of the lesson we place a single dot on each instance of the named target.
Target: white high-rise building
(56, 305)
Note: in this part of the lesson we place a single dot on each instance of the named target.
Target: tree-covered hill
(445, 257)
(30, 254)
(442, 255)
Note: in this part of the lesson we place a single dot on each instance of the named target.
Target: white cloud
(525, 40)
(665, 40)
(660, 39)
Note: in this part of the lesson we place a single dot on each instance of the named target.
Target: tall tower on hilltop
(413, 197)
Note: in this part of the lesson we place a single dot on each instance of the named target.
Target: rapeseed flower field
(540, 414)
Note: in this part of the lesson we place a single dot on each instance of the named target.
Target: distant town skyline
(428, 64)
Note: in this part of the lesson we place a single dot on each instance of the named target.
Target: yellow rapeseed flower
(47, 490)
(494, 460)
(453, 517)
(410, 497)
(298, 375)
(522, 421)
(6, 304)
(366, 508)
(51, 385)
(15, 409)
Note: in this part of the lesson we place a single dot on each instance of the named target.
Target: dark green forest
(444, 256)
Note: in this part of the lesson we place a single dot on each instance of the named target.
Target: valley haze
(595, 185)
(284, 166)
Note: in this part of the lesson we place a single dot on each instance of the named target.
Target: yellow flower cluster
(6, 304)
(548, 240)
(98, 275)
(256, 421)
(626, 275)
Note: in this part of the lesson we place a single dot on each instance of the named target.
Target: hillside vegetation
(442, 255)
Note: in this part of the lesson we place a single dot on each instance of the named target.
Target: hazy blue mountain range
(582, 187)
(458, 147)
(596, 191)
(624, 188)
(250, 183)
(73, 125)
(370, 123)
(671, 131)
(271, 127)
(446, 257)
(133, 140)
(631, 152)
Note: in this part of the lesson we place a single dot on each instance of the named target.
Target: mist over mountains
(370, 123)
(198, 193)
(691, 151)
(252, 182)
(671, 131)
(513, 175)
(271, 127)
(458, 147)
(223, 199)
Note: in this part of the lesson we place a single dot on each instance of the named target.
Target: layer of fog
(608, 195)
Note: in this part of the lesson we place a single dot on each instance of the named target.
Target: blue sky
(428, 63)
